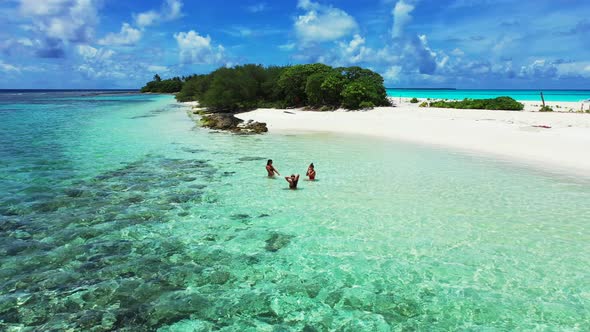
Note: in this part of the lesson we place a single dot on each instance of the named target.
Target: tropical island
(242, 88)
(253, 99)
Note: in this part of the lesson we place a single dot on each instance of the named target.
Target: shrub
(424, 104)
(500, 103)
(546, 109)
(366, 105)
(414, 100)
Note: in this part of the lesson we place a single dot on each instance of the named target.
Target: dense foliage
(158, 85)
(500, 103)
(313, 85)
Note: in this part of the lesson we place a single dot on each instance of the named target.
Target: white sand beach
(558, 141)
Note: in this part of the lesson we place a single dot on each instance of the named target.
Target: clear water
(524, 95)
(117, 213)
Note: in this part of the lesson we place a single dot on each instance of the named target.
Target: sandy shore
(565, 146)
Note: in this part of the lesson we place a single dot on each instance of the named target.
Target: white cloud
(392, 74)
(355, 51)
(90, 53)
(146, 18)
(6, 67)
(101, 63)
(170, 10)
(64, 20)
(323, 23)
(42, 8)
(127, 36)
(401, 17)
(540, 68)
(196, 49)
(543, 68)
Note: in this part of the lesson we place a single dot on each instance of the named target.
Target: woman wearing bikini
(311, 172)
(271, 169)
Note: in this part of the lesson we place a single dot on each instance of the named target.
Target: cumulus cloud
(322, 23)
(127, 36)
(539, 68)
(554, 69)
(197, 49)
(65, 20)
(348, 53)
(170, 10)
(57, 23)
(401, 17)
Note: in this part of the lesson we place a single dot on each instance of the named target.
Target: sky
(512, 44)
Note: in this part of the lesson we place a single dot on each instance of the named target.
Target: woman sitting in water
(270, 169)
(293, 179)
(311, 172)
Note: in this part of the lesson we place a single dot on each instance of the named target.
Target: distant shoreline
(532, 95)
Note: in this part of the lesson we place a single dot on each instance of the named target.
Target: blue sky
(412, 43)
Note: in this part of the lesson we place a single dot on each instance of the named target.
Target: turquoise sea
(523, 95)
(118, 213)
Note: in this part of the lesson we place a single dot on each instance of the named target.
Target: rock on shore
(229, 122)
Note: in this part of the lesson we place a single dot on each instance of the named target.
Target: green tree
(332, 88)
(313, 89)
(293, 82)
(353, 95)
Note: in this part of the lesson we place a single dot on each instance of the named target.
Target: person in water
(293, 179)
(311, 172)
(271, 169)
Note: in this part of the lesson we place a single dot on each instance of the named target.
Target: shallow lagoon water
(117, 213)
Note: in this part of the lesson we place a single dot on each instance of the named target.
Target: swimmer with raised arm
(271, 169)
(293, 179)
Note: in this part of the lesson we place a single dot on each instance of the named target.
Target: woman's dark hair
(311, 165)
(269, 162)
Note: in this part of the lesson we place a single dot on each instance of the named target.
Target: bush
(366, 105)
(424, 104)
(414, 100)
(500, 103)
(546, 109)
